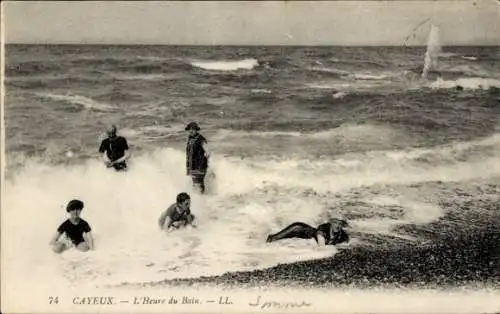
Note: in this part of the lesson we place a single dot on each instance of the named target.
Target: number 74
(53, 300)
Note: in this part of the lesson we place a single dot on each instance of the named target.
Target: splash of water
(238, 212)
(471, 83)
(432, 53)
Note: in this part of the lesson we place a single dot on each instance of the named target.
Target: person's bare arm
(89, 239)
(190, 220)
(161, 220)
(168, 224)
(106, 160)
(321, 238)
(125, 157)
(208, 149)
(55, 238)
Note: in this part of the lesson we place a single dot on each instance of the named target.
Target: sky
(461, 22)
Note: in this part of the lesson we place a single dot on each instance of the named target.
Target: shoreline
(460, 249)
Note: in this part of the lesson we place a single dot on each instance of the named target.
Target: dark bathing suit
(115, 149)
(196, 161)
(74, 232)
(304, 231)
(295, 230)
(175, 215)
(336, 237)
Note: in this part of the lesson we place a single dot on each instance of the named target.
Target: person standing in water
(197, 156)
(114, 150)
(74, 232)
(178, 214)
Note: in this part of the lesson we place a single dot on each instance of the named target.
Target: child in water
(74, 232)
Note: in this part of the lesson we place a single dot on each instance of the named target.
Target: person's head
(192, 128)
(338, 225)
(111, 131)
(183, 199)
(74, 208)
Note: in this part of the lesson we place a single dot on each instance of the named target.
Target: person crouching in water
(74, 232)
(332, 232)
(197, 156)
(114, 150)
(178, 214)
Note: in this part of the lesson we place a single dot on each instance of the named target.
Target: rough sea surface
(297, 134)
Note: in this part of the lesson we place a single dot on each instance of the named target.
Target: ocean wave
(333, 71)
(348, 86)
(347, 74)
(246, 64)
(139, 65)
(365, 187)
(260, 91)
(464, 70)
(457, 152)
(147, 68)
(364, 76)
(101, 61)
(359, 63)
(339, 95)
(153, 58)
(329, 85)
(470, 58)
(224, 134)
(330, 142)
(33, 68)
(79, 100)
(50, 81)
(472, 83)
(161, 131)
(117, 95)
(278, 63)
(445, 55)
(179, 254)
(450, 72)
(357, 144)
(156, 77)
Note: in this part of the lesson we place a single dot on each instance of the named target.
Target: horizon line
(245, 45)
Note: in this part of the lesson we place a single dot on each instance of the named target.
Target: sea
(295, 133)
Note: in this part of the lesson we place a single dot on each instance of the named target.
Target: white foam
(466, 83)
(145, 77)
(330, 70)
(246, 64)
(226, 133)
(152, 58)
(343, 133)
(350, 85)
(123, 210)
(365, 76)
(80, 100)
(339, 95)
(470, 58)
(234, 219)
(260, 91)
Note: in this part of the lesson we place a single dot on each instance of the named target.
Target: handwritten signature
(278, 304)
